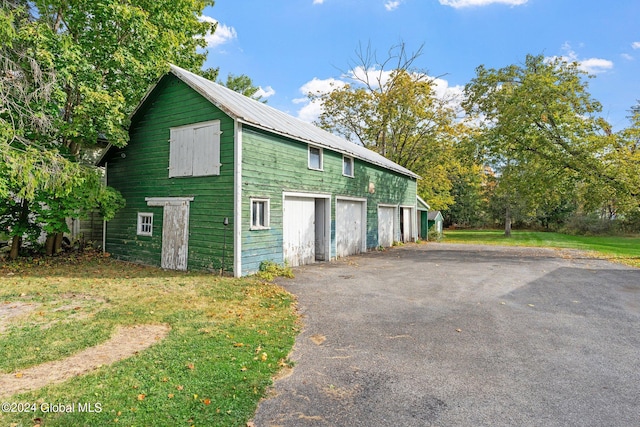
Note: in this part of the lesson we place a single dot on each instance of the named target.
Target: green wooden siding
(143, 172)
(273, 164)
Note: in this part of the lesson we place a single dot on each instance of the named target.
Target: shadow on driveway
(463, 335)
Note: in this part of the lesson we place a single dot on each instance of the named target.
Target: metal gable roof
(255, 113)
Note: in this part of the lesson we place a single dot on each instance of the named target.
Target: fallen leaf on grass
(141, 396)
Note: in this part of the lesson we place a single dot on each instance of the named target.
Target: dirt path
(124, 343)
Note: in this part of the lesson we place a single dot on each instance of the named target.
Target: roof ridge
(258, 114)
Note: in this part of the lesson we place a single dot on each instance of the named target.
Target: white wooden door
(175, 236)
(299, 230)
(407, 230)
(386, 219)
(350, 227)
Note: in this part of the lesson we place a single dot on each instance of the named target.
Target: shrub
(269, 270)
(588, 225)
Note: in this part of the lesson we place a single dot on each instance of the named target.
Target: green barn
(215, 180)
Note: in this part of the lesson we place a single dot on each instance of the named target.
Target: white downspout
(237, 200)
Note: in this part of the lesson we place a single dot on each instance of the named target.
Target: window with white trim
(347, 166)
(315, 158)
(194, 150)
(145, 224)
(260, 213)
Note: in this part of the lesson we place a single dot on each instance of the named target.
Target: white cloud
(264, 93)
(595, 65)
(373, 76)
(458, 4)
(222, 35)
(318, 1)
(311, 110)
(635, 45)
(392, 5)
(590, 65)
(317, 86)
(627, 56)
(444, 91)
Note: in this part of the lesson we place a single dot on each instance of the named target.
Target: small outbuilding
(435, 221)
(216, 180)
(423, 218)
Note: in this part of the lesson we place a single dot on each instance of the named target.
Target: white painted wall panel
(350, 227)
(299, 230)
(407, 224)
(181, 152)
(386, 219)
(206, 150)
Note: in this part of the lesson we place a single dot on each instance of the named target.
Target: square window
(315, 158)
(347, 166)
(145, 224)
(259, 214)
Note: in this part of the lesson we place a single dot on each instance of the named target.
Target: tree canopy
(72, 71)
(542, 134)
(393, 108)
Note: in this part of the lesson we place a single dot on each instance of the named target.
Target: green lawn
(617, 248)
(228, 338)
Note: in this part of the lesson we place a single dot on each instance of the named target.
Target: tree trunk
(507, 222)
(57, 247)
(23, 220)
(49, 244)
(16, 243)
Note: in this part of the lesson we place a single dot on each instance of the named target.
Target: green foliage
(588, 225)
(244, 85)
(72, 73)
(434, 236)
(269, 270)
(398, 113)
(551, 152)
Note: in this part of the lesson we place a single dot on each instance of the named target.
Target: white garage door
(299, 230)
(350, 227)
(386, 218)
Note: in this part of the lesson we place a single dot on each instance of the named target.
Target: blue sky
(290, 46)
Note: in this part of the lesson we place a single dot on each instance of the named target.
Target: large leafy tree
(72, 71)
(392, 107)
(542, 134)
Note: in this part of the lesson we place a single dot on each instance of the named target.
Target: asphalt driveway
(461, 335)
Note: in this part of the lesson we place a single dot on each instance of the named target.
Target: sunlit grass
(228, 338)
(624, 249)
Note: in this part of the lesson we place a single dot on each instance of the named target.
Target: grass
(228, 338)
(624, 249)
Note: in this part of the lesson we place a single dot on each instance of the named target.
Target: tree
(393, 108)
(541, 130)
(71, 74)
(244, 85)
